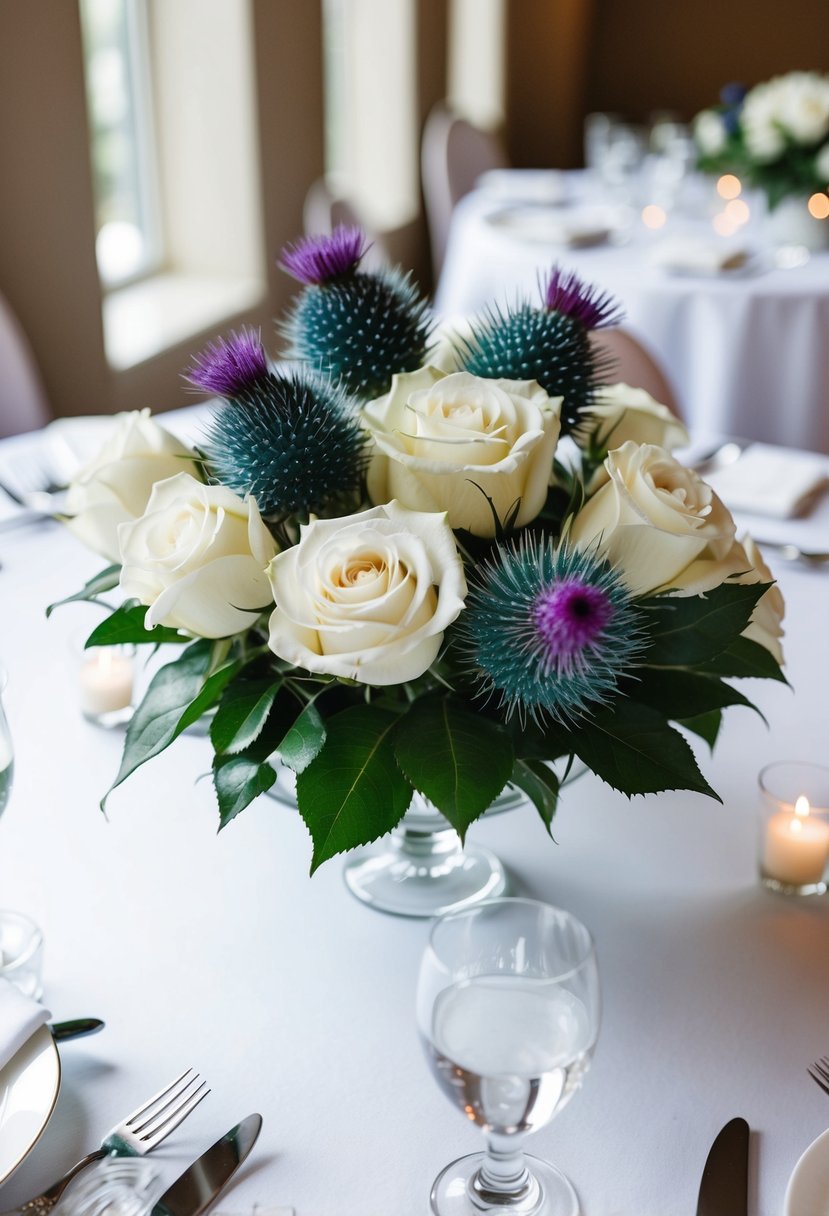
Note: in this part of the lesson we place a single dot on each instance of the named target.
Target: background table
(748, 354)
(295, 1000)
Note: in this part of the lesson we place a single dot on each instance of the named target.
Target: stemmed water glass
(6, 750)
(508, 1011)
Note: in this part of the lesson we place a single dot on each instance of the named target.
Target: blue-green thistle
(549, 630)
(291, 441)
(359, 327)
(550, 344)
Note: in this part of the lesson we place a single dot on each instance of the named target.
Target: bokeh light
(729, 186)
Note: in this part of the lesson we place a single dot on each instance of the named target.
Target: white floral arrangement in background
(390, 577)
(774, 136)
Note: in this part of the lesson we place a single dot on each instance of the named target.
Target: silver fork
(134, 1136)
(819, 1072)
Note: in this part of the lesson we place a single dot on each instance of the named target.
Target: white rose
(803, 100)
(444, 441)
(709, 133)
(367, 597)
(653, 518)
(619, 413)
(765, 625)
(822, 164)
(760, 123)
(197, 558)
(115, 485)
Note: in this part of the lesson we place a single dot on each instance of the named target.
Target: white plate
(29, 1086)
(808, 1191)
(573, 228)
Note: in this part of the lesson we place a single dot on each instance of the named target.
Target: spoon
(793, 553)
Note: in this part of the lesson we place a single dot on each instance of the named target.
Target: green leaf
(209, 694)
(633, 748)
(304, 740)
(688, 630)
(707, 726)
(174, 699)
(677, 693)
(541, 786)
(238, 780)
(353, 791)
(457, 759)
(126, 624)
(242, 713)
(745, 658)
(102, 582)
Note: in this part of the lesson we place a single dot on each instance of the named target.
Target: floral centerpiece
(774, 136)
(390, 576)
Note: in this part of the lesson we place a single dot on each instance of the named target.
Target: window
(128, 237)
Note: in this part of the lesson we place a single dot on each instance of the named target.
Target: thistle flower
(550, 344)
(230, 365)
(361, 327)
(291, 441)
(550, 630)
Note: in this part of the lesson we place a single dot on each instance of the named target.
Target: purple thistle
(318, 259)
(230, 365)
(568, 295)
(569, 616)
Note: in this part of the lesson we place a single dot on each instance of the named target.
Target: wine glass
(6, 750)
(508, 1012)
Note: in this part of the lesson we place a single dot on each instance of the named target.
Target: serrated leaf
(242, 714)
(688, 630)
(126, 625)
(105, 581)
(745, 658)
(304, 740)
(457, 759)
(633, 748)
(541, 786)
(707, 726)
(353, 791)
(173, 701)
(685, 694)
(238, 780)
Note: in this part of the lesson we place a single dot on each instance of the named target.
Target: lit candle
(105, 682)
(796, 846)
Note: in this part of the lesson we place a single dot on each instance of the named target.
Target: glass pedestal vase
(791, 224)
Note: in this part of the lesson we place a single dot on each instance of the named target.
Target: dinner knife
(62, 1032)
(202, 1182)
(723, 1190)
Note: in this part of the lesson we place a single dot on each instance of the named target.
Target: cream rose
(822, 164)
(803, 101)
(444, 441)
(115, 485)
(197, 558)
(368, 596)
(619, 413)
(766, 624)
(709, 132)
(653, 519)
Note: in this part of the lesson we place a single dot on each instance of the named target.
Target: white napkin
(575, 229)
(696, 255)
(524, 185)
(20, 1017)
(765, 480)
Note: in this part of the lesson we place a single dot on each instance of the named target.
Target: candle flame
(801, 806)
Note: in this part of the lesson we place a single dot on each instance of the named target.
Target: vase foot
(391, 881)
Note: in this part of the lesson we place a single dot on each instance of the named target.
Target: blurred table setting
(292, 998)
(736, 315)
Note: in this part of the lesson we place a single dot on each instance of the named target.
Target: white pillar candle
(105, 681)
(796, 846)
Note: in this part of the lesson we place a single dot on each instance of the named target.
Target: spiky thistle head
(228, 366)
(550, 344)
(293, 442)
(322, 259)
(359, 327)
(549, 630)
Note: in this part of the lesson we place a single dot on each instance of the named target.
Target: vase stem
(503, 1181)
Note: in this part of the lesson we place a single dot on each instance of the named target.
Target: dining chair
(630, 362)
(453, 155)
(324, 209)
(23, 402)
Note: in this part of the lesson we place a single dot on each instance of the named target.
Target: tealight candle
(794, 845)
(105, 682)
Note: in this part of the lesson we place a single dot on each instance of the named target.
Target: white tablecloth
(748, 354)
(295, 1000)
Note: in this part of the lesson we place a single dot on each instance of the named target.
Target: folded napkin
(20, 1017)
(555, 227)
(696, 255)
(524, 185)
(765, 480)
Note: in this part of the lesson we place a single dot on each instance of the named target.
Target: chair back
(324, 210)
(23, 402)
(630, 362)
(453, 155)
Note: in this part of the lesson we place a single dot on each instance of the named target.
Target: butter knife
(723, 1190)
(202, 1182)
